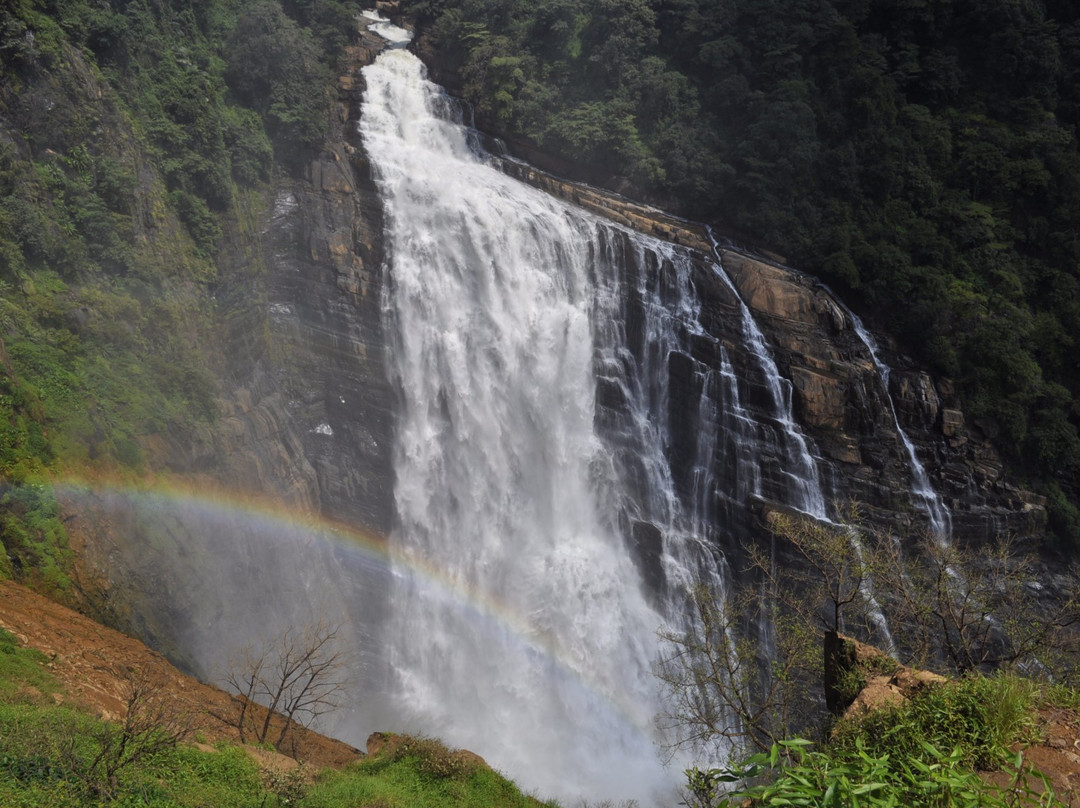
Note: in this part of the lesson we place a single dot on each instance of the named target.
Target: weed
(981, 716)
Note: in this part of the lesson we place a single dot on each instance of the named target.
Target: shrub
(978, 715)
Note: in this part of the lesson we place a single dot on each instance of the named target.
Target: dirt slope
(95, 665)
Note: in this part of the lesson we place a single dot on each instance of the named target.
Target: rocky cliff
(840, 397)
(307, 406)
(842, 403)
(303, 438)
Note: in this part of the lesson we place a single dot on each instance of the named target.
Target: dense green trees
(131, 132)
(921, 155)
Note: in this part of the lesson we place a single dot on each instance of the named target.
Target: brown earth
(1056, 756)
(96, 666)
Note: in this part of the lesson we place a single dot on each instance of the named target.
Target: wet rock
(952, 421)
(820, 398)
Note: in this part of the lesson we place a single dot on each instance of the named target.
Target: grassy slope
(49, 751)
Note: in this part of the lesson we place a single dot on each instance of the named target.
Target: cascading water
(565, 467)
(929, 500)
(801, 466)
(498, 467)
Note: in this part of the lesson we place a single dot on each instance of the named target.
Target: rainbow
(272, 517)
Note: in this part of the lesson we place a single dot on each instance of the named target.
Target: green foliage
(124, 153)
(55, 755)
(275, 67)
(201, 223)
(45, 751)
(33, 537)
(932, 779)
(977, 715)
(896, 756)
(22, 668)
(250, 151)
(419, 772)
(48, 754)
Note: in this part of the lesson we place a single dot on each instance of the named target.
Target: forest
(920, 156)
(133, 135)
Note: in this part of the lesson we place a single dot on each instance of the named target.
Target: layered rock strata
(840, 399)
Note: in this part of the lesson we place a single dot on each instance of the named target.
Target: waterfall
(574, 452)
(520, 626)
(928, 499)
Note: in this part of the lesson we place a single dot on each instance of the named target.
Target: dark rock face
(839, 398)
(841, 403)
(320, 299)
(307, 401)
(324, 297)
(303, 440)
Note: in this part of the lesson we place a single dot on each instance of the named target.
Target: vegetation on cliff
(921, 156)
(957, 745)
(132, 135)
(886, 730)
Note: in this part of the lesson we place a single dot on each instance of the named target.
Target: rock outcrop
(860, 678)
(839, 397)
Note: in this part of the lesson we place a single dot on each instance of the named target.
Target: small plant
(851, 684)
(287, 787)
(434, 758)
(880, 665)
(151, 725)
(1059, 695)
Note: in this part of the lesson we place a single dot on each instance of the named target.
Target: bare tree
(720, 688)
(740, 672)
(821, 572)
(152, 723)
(965, 609)
(299, 678)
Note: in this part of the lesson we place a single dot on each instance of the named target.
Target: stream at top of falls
(543, 538)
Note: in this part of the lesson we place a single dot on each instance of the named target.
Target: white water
(936, 511)
(523, 625)
(531, 641)
(375, 22)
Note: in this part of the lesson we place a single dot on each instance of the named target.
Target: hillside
(93, 665)
(79, 668)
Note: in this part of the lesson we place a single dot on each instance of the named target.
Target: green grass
(21, 668)
(47, 754)
(417, 773)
